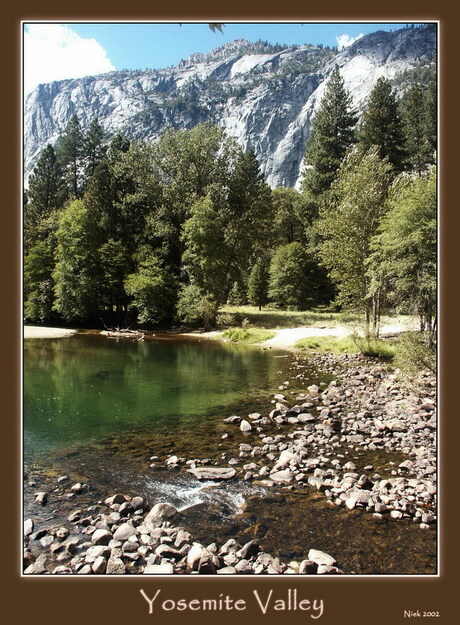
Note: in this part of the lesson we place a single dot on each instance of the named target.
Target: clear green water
(82, 388)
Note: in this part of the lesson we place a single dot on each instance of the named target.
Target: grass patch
(271, 317)
(375, 348)
(247, 335)
(372, 347)
(325, 344)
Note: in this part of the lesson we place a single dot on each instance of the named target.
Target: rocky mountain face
(265, 96)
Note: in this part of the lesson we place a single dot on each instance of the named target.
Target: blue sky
(55, 51)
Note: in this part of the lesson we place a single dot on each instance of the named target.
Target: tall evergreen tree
(258, 283)
(431, 119)
(332, 135)
(46, 194)
(413, 114)
(93, 148)
(381, 125)
(70, 151)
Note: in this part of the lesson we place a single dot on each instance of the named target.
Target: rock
(182, 538)
(206, 565)
(320, 557)
(325, 569)
(28, 527)
(233, 419)
(244, 568)
(248, 550)
(213, 473)
(99, 566)
(168, 552)
(283, 477)
(308, 567)
(118, 498)
(245, 426)
(195, 554)
(231, 546)
(159, 569)
(101, 537)
(61, 570)
(125, 531)
(41, 498)
(115, 566)
(226, 570)
(77, 488)
(160, 513)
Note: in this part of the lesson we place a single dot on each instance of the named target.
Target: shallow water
(82, 388)
(98, 410)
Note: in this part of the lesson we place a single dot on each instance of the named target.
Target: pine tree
(93, 148)
(70, 151)
(413, 113)
(45, 195)
(431, 119)
(381, 125)
(332, 135)
(258, 283)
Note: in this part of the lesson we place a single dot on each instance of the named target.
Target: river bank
(364, 443)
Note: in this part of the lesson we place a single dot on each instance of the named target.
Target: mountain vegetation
(125, 232)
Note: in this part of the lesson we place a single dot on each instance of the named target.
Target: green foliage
(205, 255)
(418, 150)
(247, 335)
(381, 125)
(153, 290)
(349, 222)
(328, 344)
(195, 308)
(291, 216)
(258, 283)
(404, 250)
(332, 135)
(70, 151)
(236, 296)
(38, 282)
(93, 148)
(414, 353)
(373, 347)
(290, 277)
(76, 274)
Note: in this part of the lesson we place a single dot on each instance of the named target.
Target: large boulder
(160, 513)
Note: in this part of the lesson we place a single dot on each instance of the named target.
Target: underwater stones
(41, 498)
(213, 473)
(284, 477)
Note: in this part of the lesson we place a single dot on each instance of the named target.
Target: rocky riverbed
(364, 442)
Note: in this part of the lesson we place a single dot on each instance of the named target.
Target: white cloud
(55, 52)
(343, 41)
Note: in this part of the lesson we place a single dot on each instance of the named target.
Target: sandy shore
(35, 332)
(287, 337)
